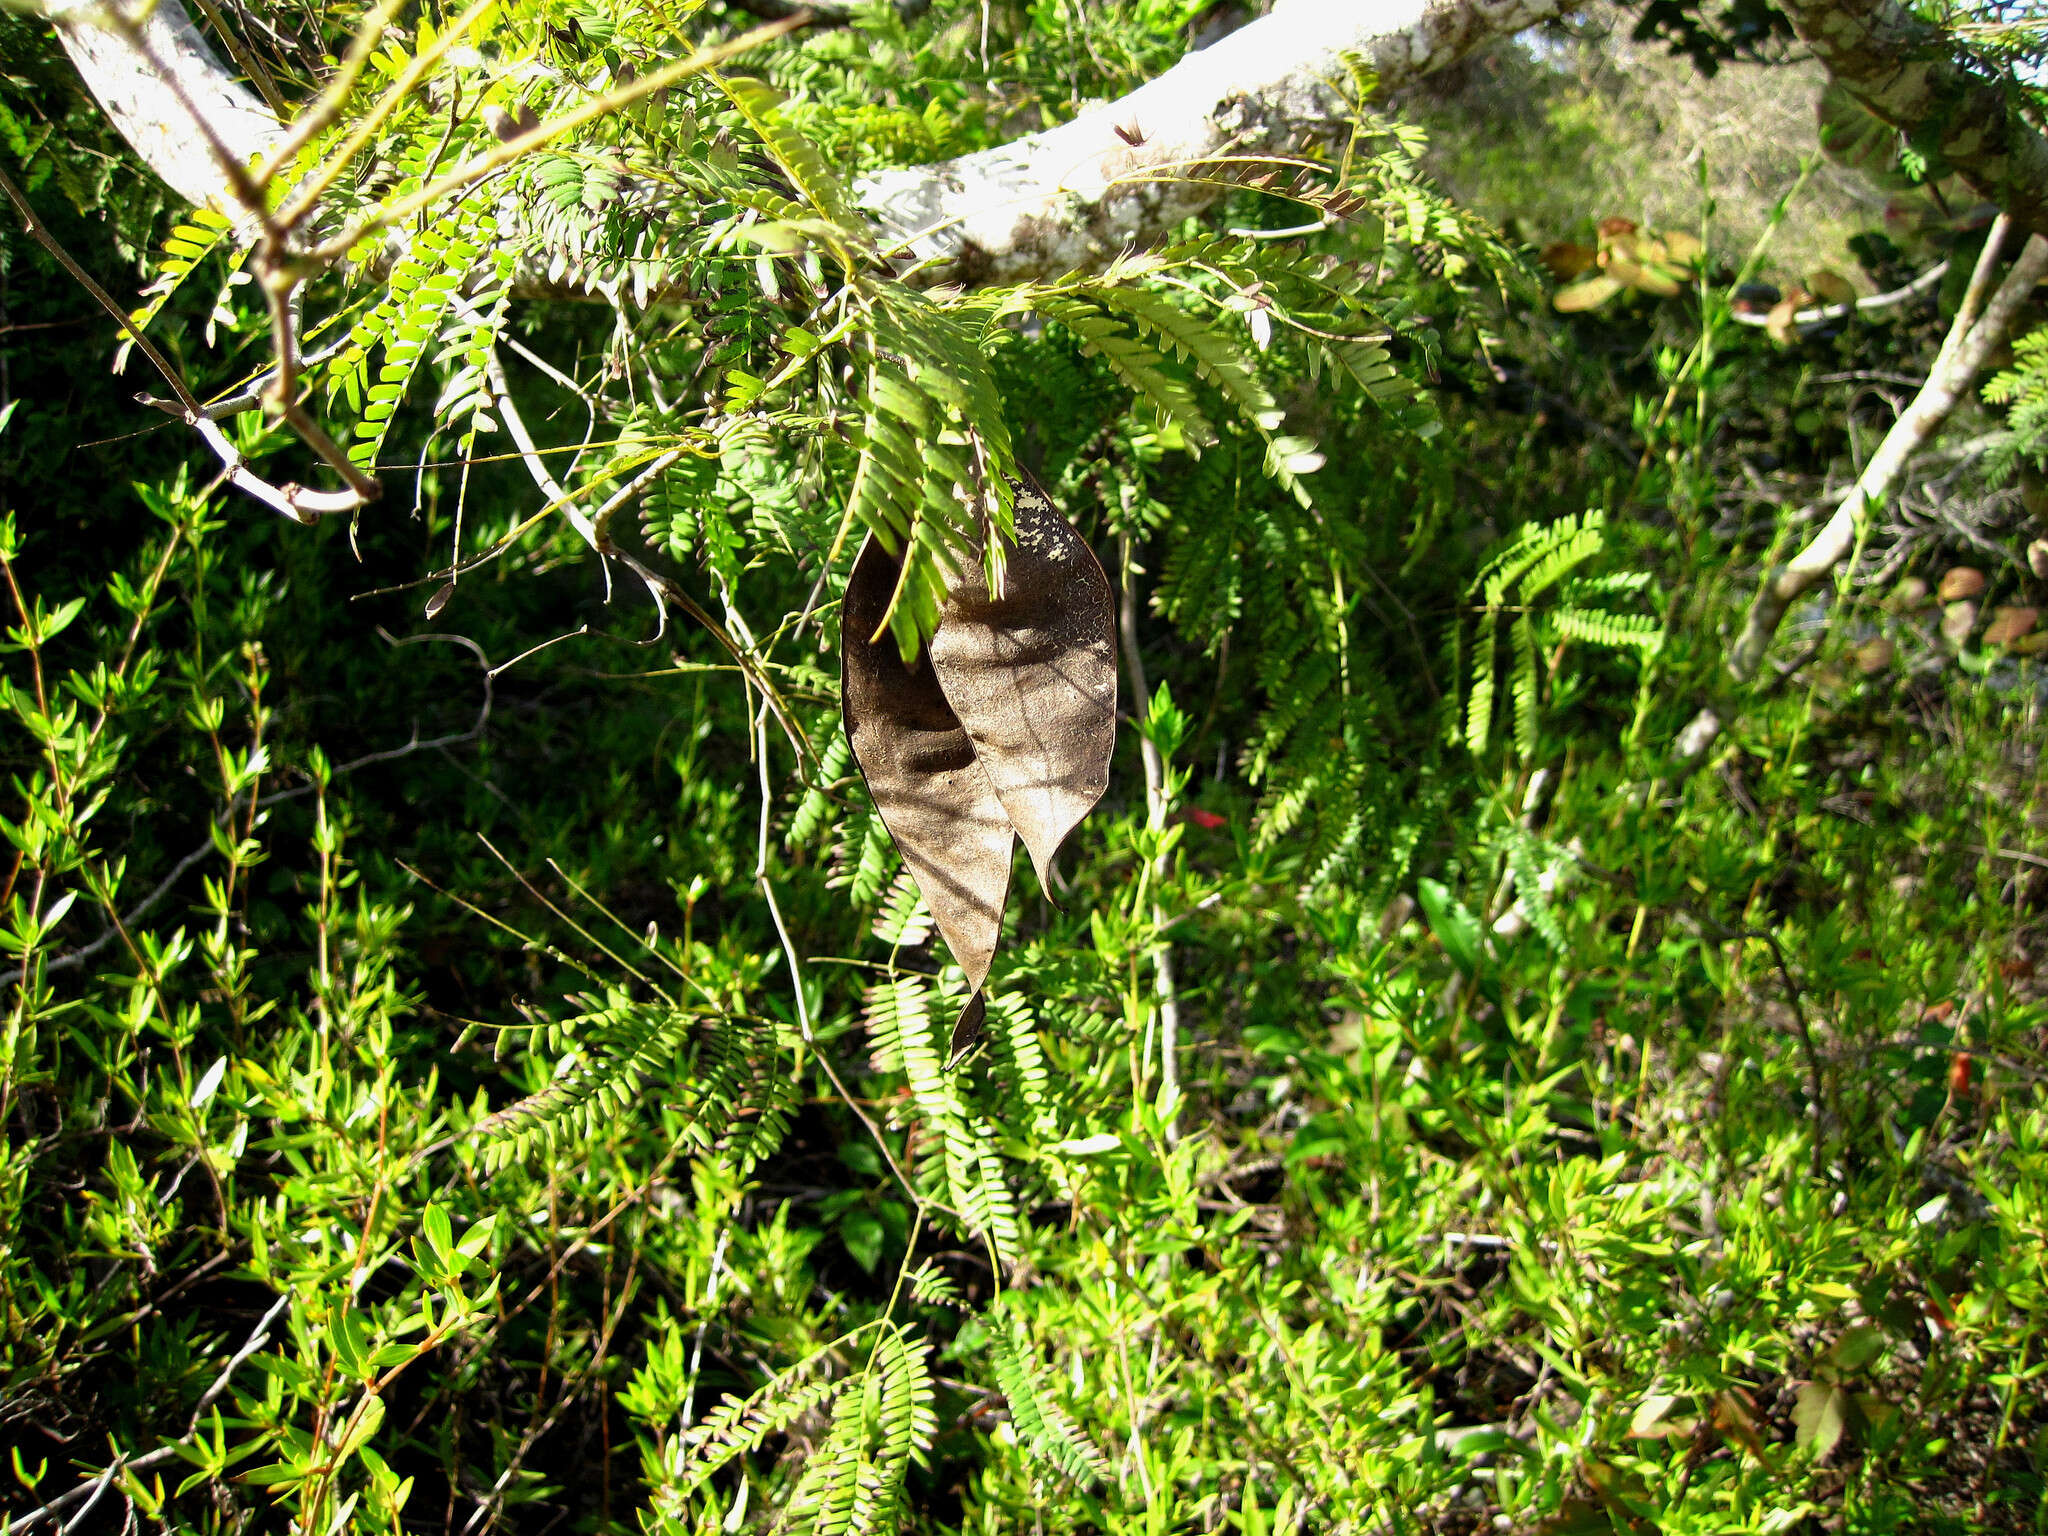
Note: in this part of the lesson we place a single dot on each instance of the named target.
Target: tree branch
(150, 79)
(1827, 314)
(1955, 369)
(1070, 197)
(1905, 71)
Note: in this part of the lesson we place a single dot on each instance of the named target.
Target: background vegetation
(414, 1119)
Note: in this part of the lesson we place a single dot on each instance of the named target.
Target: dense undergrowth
(415, 1119)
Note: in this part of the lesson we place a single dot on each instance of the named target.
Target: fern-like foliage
(957, 1166)
(185, 248)
(883, 1421)
(403, 327)
(864, 859)
(2023, 389)
(935, 450)
(904, 921)
(1020, 1061)
(815, 811)
(466, 400)
(741, 1426)
(1043, 1425)
(1534, 863)
(1509, 587)
(724, 1070)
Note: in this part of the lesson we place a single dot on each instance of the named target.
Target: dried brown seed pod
(1031, 673)
(1003, 727)
(933, 794)
(2010, 624)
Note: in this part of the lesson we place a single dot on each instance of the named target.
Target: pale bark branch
(151, 80)
(1069, 198)
(1827, 314)
(1962, 357)
(1072, 197)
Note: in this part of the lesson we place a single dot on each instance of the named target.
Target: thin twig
(704, 1323)
(1984, 318)
(251, 65)
(494, 160)
(85, 280)
(250, 397)
(99, 1488)
(1163, 990)
(250, 1345)
(316, 119)
(1926, 282)
(659, 587)
(294, 502)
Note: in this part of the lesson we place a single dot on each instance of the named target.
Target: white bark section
(1961, 359)
(159, 93)
(1069, 198)
(1072, 197)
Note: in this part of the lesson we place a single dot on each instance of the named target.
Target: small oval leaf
(1587, 293)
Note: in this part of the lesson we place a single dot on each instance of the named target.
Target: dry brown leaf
(920, 767)
(1778, 323)
(1961, 581)
(967, 1029)
(2009, 624)
(1032, 674)
(1567, 260)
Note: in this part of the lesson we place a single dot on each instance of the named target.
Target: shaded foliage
(415, 1118)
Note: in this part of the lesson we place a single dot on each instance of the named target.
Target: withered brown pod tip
(968, 1029)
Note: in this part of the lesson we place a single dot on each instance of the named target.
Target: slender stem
(1925, 283)
(475, 170)
(85, 280)
(1165, 995)
(1978, 327)
(309, 192)
(251, 65)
